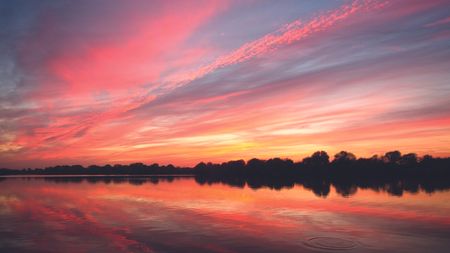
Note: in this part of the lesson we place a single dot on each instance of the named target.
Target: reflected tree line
(393, 173)
(134, 180)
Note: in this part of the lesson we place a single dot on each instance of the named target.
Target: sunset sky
(97, 82)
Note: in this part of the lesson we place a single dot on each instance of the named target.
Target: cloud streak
(288, 34)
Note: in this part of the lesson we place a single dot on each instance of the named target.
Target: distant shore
(318, 163)
(392, 172)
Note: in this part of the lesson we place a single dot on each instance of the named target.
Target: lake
(177, 214)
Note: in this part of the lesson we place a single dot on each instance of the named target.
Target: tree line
(318, 164)
(392, 172)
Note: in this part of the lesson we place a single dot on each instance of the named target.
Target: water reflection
(179, 214)
(320, 187)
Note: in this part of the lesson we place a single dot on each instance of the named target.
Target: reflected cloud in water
(320, 187)
(174, 214)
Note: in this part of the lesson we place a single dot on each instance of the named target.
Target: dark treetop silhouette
(392, 172)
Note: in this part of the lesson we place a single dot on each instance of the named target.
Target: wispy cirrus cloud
(288, 34)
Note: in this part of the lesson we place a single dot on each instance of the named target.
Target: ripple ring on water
(330, 243)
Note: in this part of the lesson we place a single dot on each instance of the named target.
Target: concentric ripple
(330, 243)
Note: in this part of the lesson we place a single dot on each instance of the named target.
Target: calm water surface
(47, 215)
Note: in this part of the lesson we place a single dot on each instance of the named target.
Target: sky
(110, 81)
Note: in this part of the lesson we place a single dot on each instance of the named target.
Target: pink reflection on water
(168, 217)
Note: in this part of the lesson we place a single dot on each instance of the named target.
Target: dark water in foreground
(44, 215)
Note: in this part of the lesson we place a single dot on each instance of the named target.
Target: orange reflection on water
(170, 216)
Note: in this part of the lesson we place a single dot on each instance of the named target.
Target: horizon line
(331, 159)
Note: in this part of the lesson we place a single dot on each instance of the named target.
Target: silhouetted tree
(344, 157)
(426, 158)
(408, 159)
(318, 159)
(392, 156)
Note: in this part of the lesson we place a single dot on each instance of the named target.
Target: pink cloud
(288, 34)
(95, 103)
(116, 62)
